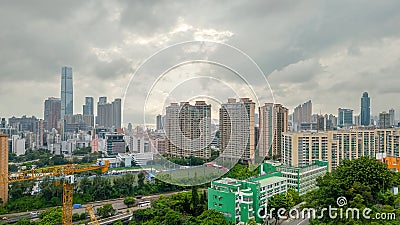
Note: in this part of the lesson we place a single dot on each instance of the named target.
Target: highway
(118, 204)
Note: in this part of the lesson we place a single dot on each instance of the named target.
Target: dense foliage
(241, 172)
(82, 151)
(285, 201)
(43, 158)
(86, 190)
(106, 211)
(186, 208)
(364, 183)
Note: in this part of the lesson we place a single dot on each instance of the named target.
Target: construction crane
(92, 215)
(63, 171)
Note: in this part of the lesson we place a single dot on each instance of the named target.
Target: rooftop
(268, 180)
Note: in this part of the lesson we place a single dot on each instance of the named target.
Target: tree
(195, 201)
(24, 222)
(129, 201)
(51, 216)
(106, 210)
(364, 182)
(203, 199)
(212, 217)
(295, 195)
(50, 192)
(12, 168)
(119, 222)
(251, 221)
(365, 170)
(19, 189)
(279, 201)
(76, 217)
(141, 177)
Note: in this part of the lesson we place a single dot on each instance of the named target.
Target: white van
(143, 204)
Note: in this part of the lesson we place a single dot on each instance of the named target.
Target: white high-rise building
(18, 145)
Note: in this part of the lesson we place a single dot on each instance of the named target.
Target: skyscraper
(321, 123)
(40, 133)
(188, 130)
(236, 121)
(52, 113)
(3, 167)
(109, 114)
(104, 113)
(384, 120)
(67, 92)
(302, 114)
(391, 115)
(159, 123)
(67, 96)
(273, 122)
(365, 110)
(102, 100)
(88, 114)
(116, 114)
(88, 107)
(345, 117)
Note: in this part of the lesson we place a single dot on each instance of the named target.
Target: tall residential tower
(88, 111)
(237, 130)
(273, 122)
(52, 113)
(188, 130)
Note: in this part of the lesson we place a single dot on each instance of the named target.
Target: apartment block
(273, 121)
(301, 149)
(237, 130)
(188, 130)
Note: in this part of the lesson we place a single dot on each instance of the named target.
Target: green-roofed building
(240, 200)
(302, 179)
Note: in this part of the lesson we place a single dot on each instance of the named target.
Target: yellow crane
(67, 172)
(92, 215)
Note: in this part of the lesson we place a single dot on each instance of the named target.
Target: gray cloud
(327, 51)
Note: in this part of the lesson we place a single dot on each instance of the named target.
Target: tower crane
(92, 215)
(63, 171)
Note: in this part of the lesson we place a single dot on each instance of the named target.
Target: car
(4, 218)
(34, 213)
(144, 204)
(139, 197)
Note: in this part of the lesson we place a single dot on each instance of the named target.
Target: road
(299, 221)
(118, 204)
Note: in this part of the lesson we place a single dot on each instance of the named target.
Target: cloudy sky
(327, 51)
